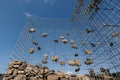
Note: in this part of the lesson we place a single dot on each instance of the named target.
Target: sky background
(15, 13)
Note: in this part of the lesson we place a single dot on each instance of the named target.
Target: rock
(55, 58)
(115, 34)
(28, 68)
(111, 44)
(93, 45)
(36, 69)
(16, 62)
(74, 46)
(102, 69)
(61, 37)
(71, 63)
(16, 66)
(32, 30)
(15, 72)
(89, 62)
(21, 72)
(56, 41)
(73, 77)
(33, 78)
(62, 62)
(23, 66)
(92, 73)
(88, 51)
(20, 77)
(46, 56)
(52, 77)
(60, 74)
(77, 62)
(68, 33)
(44, 61)
(9, 77)
(77, 69)
(83, 42)
(76, 54)
(89, 30)
(44, 34)
(9, 72)
(35, 42)
(64, 41)
(39, 47)
(31, 50)
(72, 42)
(46, 70)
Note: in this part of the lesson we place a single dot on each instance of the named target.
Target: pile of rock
(19, 70)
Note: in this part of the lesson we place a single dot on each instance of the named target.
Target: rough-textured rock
(52, 77)
(31, 50)
(44, 34)
(64, 41)
(72, 41)
(88, 51)
(27, 71)
(89, 61)
(74, 46)
(20, 77)
(55, 58)
(77, 62)
(62, 62)
(71, 63)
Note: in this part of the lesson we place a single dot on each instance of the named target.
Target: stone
(23, 66)
(72, 41)
(15, 72)
(20, 77)
(83, 42)
(74, 46)
(71, 63)
(52, 77)
(61, 37)
(33, 78)
(64, 41)
(35, 42)
(77, 62)
(32, 30)
(88, 51)
(55, 58)
(16, 66)
(44, 34)
(62, 62)
(31, 50)
(77, 69)
(89, 61)
(60, 74)
(21, 72)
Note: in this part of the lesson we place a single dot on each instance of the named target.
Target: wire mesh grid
(54, 29)
(105, 48)
(103, 18)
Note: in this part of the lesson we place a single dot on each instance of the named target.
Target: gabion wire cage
(102, 16)
(54, 28)
(93, 28)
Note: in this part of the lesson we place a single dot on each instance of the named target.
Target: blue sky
(15, 13)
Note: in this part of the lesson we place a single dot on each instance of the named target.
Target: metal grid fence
(103, 20)
(103, 17)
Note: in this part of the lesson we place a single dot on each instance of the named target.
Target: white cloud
(27, 1)
(46, 1)
(51, 2)
(69, 72)
(28, 15)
